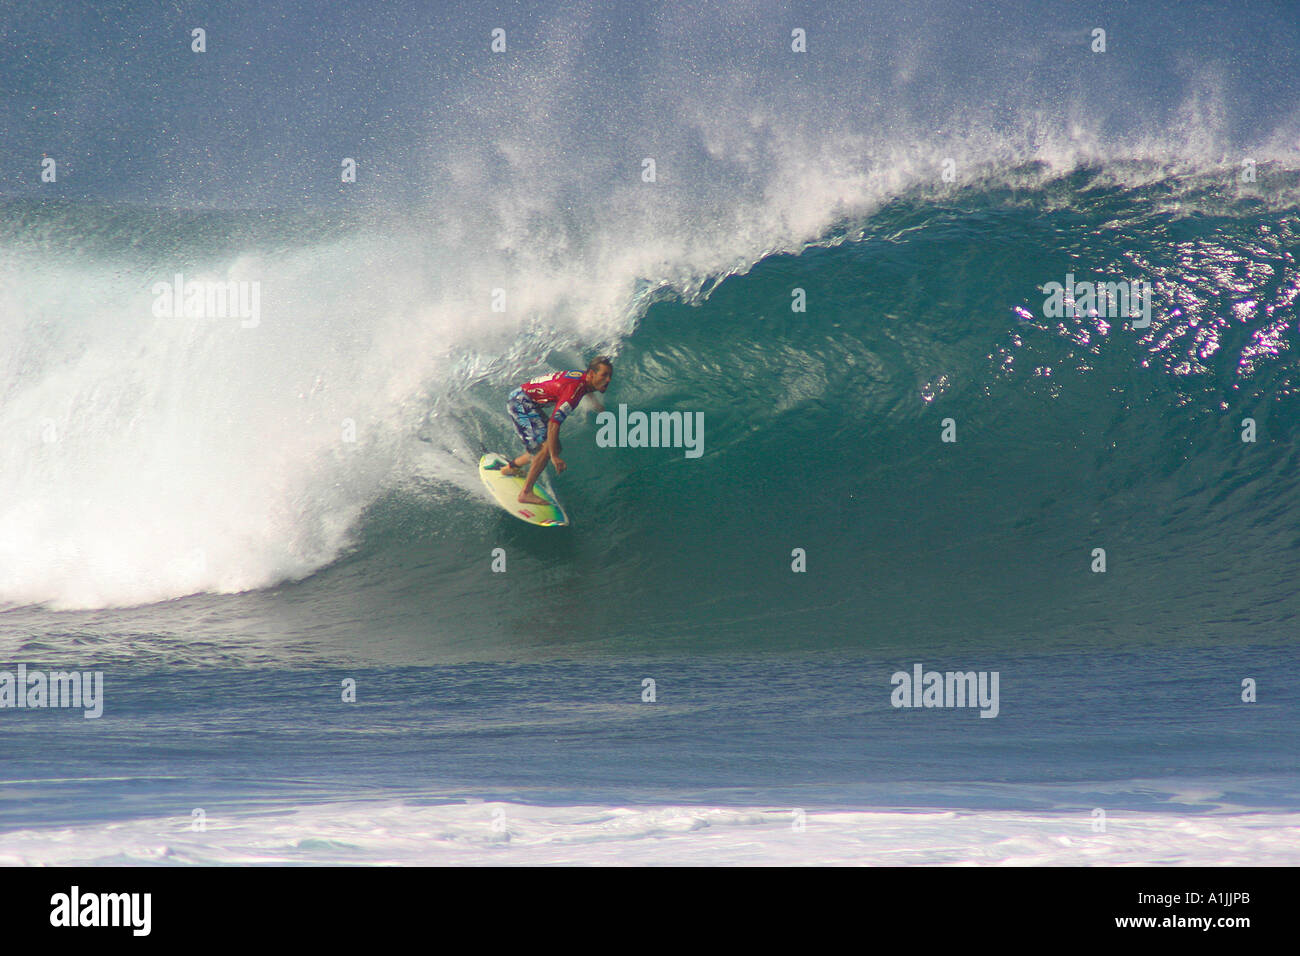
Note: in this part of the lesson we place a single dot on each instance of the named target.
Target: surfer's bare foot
(528, 498)
(509, 471)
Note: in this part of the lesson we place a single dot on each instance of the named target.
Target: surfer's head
(599, 372)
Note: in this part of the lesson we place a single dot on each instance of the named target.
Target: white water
(495, 834)
(143, 459)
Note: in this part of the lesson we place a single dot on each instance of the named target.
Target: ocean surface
(320, 641)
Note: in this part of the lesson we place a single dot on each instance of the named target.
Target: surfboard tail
(505, 490)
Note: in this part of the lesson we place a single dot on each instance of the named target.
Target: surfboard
(505, 492)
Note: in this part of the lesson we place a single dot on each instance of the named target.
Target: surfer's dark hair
(598, 361)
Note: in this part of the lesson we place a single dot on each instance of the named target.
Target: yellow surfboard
(505, 491)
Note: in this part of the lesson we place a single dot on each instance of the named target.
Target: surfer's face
(599, 379)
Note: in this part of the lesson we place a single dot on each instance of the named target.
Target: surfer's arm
(562, 409)
(552, 447)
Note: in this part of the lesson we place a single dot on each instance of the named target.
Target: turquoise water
(822, 432)
(230, 517)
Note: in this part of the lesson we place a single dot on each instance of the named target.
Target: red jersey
(563, 389)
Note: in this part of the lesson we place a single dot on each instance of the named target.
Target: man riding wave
(526, 406)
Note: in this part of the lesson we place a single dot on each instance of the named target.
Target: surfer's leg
(528, 496)
(527, 419)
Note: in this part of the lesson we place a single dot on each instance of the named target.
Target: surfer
(541, 437)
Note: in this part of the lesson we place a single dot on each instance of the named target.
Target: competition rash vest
(563, 389)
